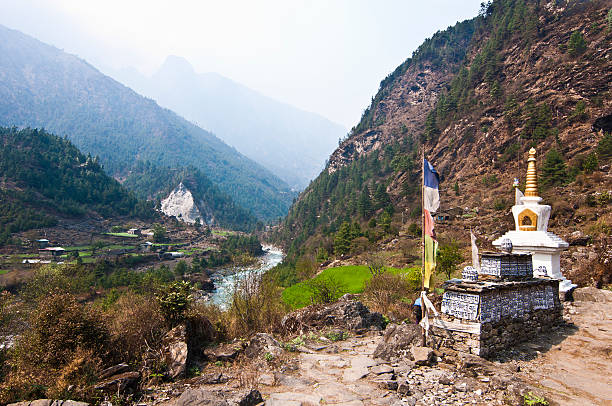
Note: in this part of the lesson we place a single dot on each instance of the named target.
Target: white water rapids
(227, 278)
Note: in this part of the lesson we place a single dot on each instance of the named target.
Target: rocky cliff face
(180, 203)
(476, 97)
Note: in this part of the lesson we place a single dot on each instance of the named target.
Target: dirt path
(569, 365)
(574, 366)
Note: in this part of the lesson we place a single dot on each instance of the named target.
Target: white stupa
(531, 233)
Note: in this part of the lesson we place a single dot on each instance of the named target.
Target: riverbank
(225, 279)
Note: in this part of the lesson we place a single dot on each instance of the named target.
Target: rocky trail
(569, 365)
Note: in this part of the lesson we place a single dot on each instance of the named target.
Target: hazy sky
(325, 56)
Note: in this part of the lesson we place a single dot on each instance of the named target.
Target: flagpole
(423, 310)
(423, 217)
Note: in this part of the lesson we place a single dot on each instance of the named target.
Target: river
(226, 278)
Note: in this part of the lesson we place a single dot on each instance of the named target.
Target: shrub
(448, 259)
(57, 278)
(576, 44)
(604, 147)
(256, 306)
(376, 264)
(490, 180)
(385, 290)
(174, 300)
(135, 323)
(325, 289)
(579, 113)
(554, 169)
(500, 204)
(63, 348)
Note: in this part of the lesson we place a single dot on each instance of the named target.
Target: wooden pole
(423, 310)
(423, 217)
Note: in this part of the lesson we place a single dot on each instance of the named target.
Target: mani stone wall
(483, 318)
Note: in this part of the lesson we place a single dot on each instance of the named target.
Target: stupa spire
(531, 188)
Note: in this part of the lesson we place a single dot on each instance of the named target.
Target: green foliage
(538, 120)
(510, 152)
(51, 175)
(609, 18)
(326, 289)
(448, 258)
(490, 180)
(174, 300)
(533, 400)
(554, 170)
(576, 44)
(159, 233)
(242, 243)
(579, 113)
(604, 147)
(589, 163)
(342, 240)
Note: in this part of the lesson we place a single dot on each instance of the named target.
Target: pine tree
(554, 169)
(342, 240)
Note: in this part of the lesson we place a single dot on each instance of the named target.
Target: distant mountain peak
(176, 65)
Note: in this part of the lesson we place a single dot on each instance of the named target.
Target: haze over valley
(305, 203)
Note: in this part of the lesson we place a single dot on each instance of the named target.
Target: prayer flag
(475, 262)
(431, 179)
(431, 247)
(517, 196)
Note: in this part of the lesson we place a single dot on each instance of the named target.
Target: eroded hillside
(476, 97)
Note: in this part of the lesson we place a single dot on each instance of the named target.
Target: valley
(454, 249)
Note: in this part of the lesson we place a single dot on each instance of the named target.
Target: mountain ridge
(41, 86)
(476, 105)
(291, 142)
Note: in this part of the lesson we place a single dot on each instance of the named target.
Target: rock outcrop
(181, 204)
(204, 397)
(346, 313)
(176, 351)
(398, 340)
(49, 402)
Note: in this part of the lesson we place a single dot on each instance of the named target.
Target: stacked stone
(491, 316)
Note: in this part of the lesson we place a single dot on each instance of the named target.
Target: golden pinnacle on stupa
(531, 188)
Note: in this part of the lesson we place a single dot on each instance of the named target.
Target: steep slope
(41, 86)
(476, 97)
(291, 143)
(43, 176)
(197, 197)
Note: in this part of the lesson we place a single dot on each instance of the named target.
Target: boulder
(203, 397)
(397, 341)
(119, 383)
(346, 313)
(591, 294)
(49, 402)
(224, 352)
(577, 238)
(422, 355)
(114, 370)
(261, 344)
(176, 351)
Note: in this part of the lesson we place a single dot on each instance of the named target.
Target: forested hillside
(475, 97)
(41, 86)
(291, 143)
(43, 176)
(153, 182)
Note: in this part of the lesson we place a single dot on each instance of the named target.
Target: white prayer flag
(517, 196)
(475, 261)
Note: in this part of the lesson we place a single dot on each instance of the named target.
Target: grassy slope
(351, 277)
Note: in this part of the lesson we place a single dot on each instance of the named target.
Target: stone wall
(495, 316)
(494, 337)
